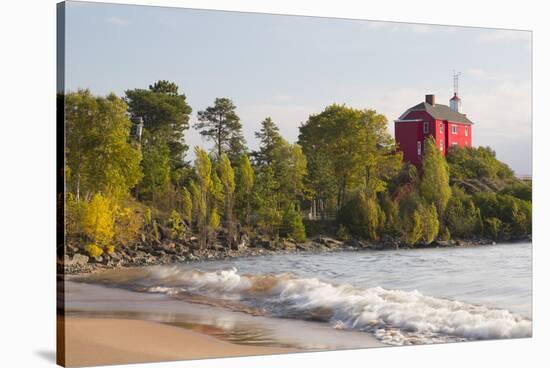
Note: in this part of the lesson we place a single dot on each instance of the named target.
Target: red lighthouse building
(445, 124)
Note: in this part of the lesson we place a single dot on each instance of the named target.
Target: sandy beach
(101, 341)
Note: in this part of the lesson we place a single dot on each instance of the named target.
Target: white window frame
(441, 144)
(454, 144)
(466, 131)
(426, 127)
(441, 128)
(454, 129)
(419, 148)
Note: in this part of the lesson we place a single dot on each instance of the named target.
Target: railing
(329, 215)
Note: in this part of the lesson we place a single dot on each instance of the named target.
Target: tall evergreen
(165, 115)
(221, 125)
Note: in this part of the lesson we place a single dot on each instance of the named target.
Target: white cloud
(475, 72)
(409, 27)
(117, 21)
(498, 35)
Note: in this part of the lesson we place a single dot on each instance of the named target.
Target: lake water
(329, 300)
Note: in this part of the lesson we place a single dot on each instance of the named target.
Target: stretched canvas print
(236, 184)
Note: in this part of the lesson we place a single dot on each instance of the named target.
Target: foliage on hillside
(345, 169)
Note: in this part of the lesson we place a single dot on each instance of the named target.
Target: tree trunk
(77, 188)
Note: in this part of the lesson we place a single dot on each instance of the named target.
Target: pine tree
(221, 125)
(270, 139)
(165, 115)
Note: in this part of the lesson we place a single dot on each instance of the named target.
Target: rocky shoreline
(75, 260)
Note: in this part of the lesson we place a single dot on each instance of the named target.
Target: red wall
(407, 134)
(460, 137)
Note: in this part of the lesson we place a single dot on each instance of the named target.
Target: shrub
(429, 222)
(269, 219)
(343, 233)
(94, 250)
(513, 213)
(73, 215)
(412, 229)
(362, 216)
(462, 216)
(98, 220)
(177, 227)
(390, 210)
(293, 226)
(187, 205)
(476, 163)
(214, 220)
(519, 190)
(446, 234)
(493, 227)
(128, 225)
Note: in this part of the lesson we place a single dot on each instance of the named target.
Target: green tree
(493, 227)
(99, 155)
(476, 163)
(281, 168)
(434, 185)
(237, 147)
(429, 221)
(290, 167)
(412, 229)
(266, 200)
(187, 205)
(292, 225)
(410, 221)
(270, 139)
(165, 114)
(227, 178)
(362, 216)
(202, 193)
(514, 214)
(519, 189)
(463, 218)
(390, 208)
(321, 182)
(245, 186)
(357, 145)
(156, 169)
(177, 227)
(220, 124)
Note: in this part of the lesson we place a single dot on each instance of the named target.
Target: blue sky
(289, 67)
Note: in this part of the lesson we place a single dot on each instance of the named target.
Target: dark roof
(441, 112)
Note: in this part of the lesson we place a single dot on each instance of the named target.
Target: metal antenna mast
(455, 81)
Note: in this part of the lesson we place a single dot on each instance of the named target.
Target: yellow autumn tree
(98, 223)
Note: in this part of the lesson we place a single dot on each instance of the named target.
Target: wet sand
(101, 341)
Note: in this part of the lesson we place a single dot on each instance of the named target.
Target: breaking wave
(395, 317)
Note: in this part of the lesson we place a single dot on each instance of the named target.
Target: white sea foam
(393, 316)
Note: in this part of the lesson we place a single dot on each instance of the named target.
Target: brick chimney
(430, 99)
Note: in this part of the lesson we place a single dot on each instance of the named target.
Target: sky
(289, 67)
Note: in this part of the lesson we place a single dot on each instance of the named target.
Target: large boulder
(329, 242)
(77, 260)
(168, 247)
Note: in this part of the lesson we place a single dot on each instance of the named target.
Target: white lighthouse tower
(455, 102)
